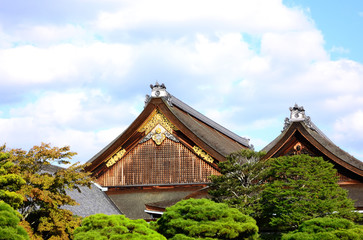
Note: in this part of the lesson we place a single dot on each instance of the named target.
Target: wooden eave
(189, 133)
(297, 128)
(130, 134)
(131, 137)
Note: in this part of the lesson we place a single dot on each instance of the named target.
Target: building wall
(151, 164)
(132, 202)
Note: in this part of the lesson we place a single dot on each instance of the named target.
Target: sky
(76, 72)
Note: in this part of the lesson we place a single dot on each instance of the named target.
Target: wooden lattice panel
(149, 164)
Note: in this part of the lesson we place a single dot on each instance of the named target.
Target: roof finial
(158, 90)
(297, 113)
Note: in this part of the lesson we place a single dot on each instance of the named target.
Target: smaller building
(301, 136)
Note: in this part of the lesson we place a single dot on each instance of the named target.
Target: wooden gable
(301, 136)
(167, 144)
(152, 164)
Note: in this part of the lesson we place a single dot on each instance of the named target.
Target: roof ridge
(191, 111)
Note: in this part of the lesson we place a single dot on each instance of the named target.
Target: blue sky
(341, 23)
(76, 72)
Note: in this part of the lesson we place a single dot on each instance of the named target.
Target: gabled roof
(191, 128)
(301, 128)
(219, 138)
(190, 111)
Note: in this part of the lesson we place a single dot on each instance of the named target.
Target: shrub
(101, 226)
(326, 228)
(203, 218)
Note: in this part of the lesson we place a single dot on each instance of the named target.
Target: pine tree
(243, 175)
(300, 188)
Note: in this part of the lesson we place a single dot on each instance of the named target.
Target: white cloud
(200, 49)
(87, 121)
(343, 103)
(250, 16)
(350, 125)
(63, 63)
(300, 47)
(50, 34)
(334, 77)
(341, 50)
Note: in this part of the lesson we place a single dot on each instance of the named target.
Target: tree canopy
(9, 224)
(203, 218)
(241, 181)
(300, 188)
(326, 228)
(102, 227)
(44, 191)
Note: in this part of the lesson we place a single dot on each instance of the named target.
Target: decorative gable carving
(157, 118)
(117, 156)
(299, 149)
(158, 134)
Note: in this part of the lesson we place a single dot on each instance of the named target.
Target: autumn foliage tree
(44, 191)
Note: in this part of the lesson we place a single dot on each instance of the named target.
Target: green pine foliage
(301, 188)
(203, 218)
(241, 181)
(9, 181)
(115, 227)
(9, 224)
(326, 228)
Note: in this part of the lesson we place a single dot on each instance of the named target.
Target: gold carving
(157, 118)
(158, 136)
(117, 156)
(203, 154)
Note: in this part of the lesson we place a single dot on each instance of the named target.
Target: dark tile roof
(337, 151)
(197, 115)
(91, 200)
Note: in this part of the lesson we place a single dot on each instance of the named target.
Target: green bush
(115, 227)
(203, 218)
(301, 188)
(9, 224)
(326, 228)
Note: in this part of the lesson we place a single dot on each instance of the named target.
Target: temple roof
(204, 132)
(301, 124)
(206, 129)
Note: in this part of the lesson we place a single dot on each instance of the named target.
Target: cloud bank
(76, 73)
